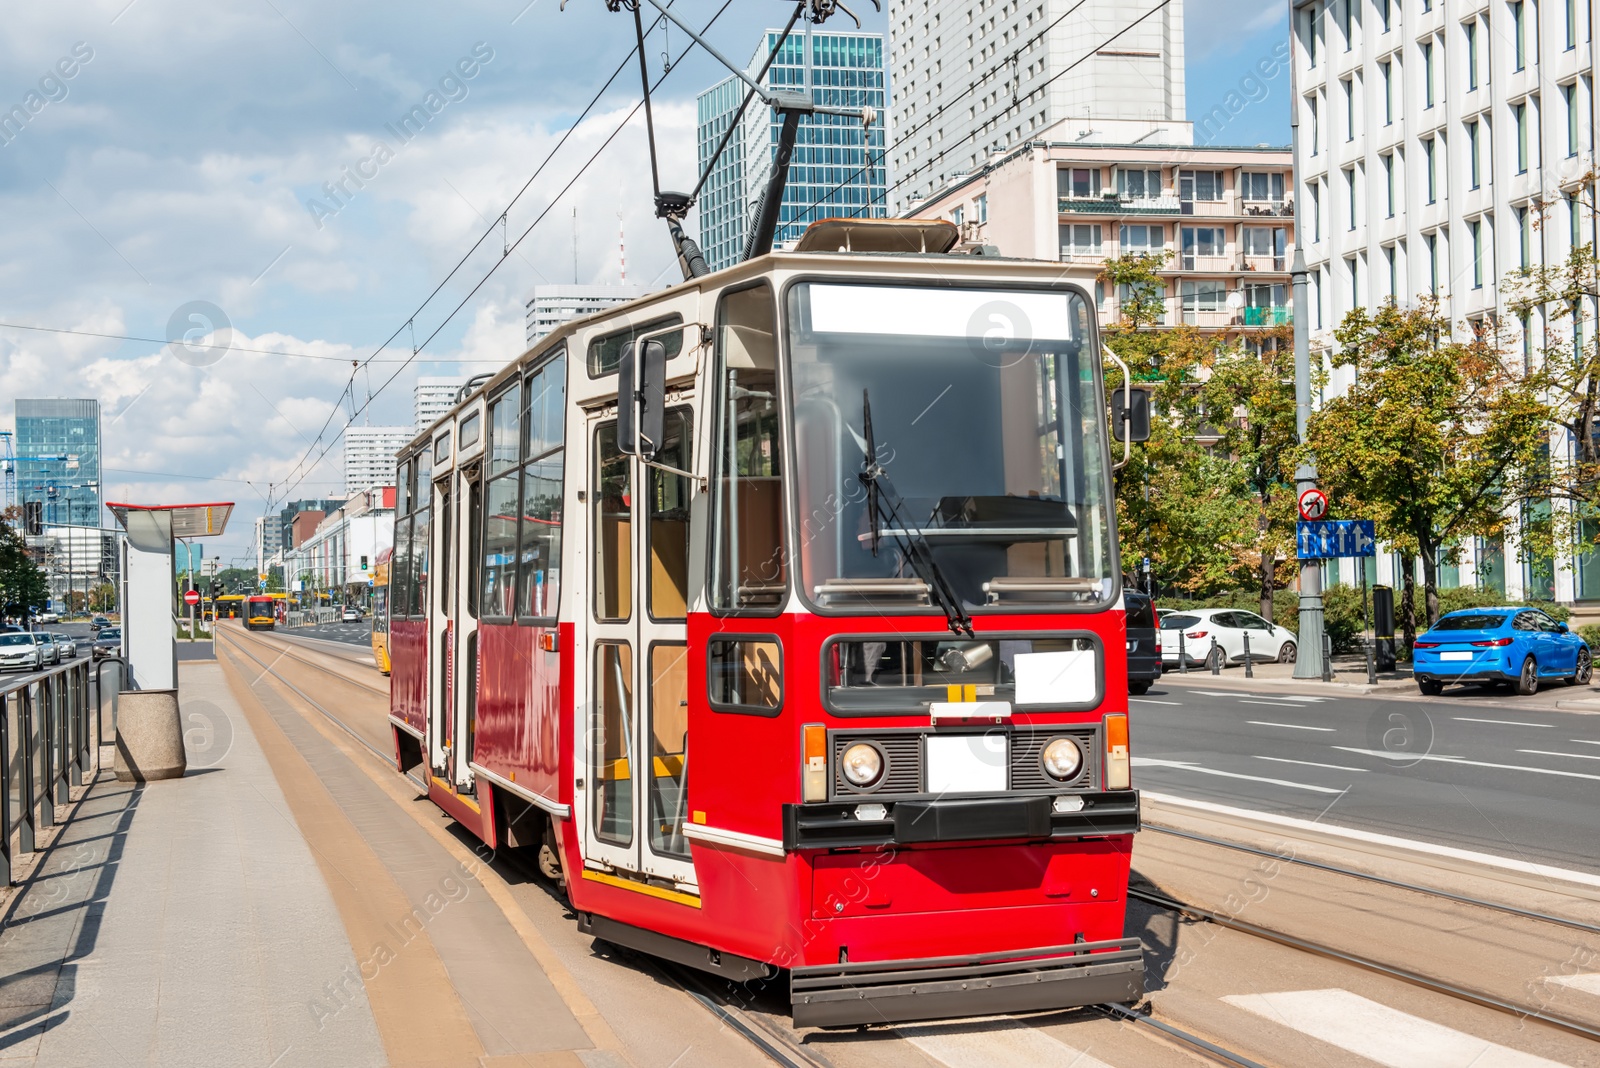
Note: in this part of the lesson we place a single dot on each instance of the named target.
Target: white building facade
(1442, 146)
(341, 558)
(431, 398)
(550, 306)
(1072, 60)
(369, 455)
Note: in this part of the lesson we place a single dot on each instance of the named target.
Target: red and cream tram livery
(811, 656)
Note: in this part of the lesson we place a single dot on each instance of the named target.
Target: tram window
(499, 572)
(441, 448)
(748, 556)
(669, 747)
(611, 784)
(505, 440)
(890, 674)
(669, 522)
(417, 582)
(403, 491)
(544, 418)
(744, 675)
(469, 430)
(613, 507)
(606, 352)
(539, 593)
(399, 568)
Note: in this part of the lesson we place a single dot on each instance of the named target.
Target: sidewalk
(181, 922)
(1349, 677)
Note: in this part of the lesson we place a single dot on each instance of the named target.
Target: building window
(1475, 228)
(1142, 238)
(1387, 69)
(1519, 38)
(1472, 154)
(1200, 185)
(1353, 264)
(1433, 172)
(1388, 182)
(1427, 75)
(1348, 22)
(1316, 281)
(956, 216)
(1260, 185)
(1081, 241)
(1202, 242)
(1316, 124)
(1384, 13)
(1349, 85)
(1316, 210)
(1433, 262)
(1311, 22)
(1527, 343)
(1519, 112)
(1572, 24)
(981, 206)
(1394, 277)
(1350, 193)
(1574, 221)
(1138, 184)
(1084, 182)
(1524, 237)
(1471, 29)
(1569, 93)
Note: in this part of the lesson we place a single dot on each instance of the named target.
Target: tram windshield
(984, 411)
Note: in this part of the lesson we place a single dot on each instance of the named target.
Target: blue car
(1521, 646)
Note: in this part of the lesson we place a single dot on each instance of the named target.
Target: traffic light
(216, 587)
(33, 517)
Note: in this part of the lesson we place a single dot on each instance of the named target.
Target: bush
(1590, 632)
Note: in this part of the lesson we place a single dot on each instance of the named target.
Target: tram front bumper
(1023, 980)
(927, 820)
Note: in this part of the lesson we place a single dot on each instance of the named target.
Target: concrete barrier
(149, 736)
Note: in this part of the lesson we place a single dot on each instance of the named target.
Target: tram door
(441, 688)
(638, 655)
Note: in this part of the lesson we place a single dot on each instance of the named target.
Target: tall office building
(837, 167)
(58, 459)
(550, 306)
(1441, 147)
(1016, 58)
(431, 398)
(369, 455)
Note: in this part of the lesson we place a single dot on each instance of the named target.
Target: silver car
(49, 651)
(67, 644)
(19, 652)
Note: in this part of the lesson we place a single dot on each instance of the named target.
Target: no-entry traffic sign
(1313, 505)
(191, 597)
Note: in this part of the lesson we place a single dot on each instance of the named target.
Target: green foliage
(1459, 597)
(22, 582)
(1590, 633)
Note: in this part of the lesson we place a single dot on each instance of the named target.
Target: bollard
(1216, 661)
(1327, 657)
(1249, 671)
(1183, 656)
(1372, 665)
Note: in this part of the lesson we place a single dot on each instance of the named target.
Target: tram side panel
(519, 707)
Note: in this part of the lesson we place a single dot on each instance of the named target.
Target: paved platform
(182, 922)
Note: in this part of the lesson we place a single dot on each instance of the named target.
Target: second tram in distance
(810, 655)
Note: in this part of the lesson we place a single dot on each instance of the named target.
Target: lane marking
(1468, 763)
(1379, 1033)
(1153, 701)
(1310, 763)
(1582, 741)
(1544, 871)
(1501, 722)
(1152, 762)
(1290, 726)
(1547, 752)
(1263, 696)
(988, 1045)
(1588, 982)
(1269, 704)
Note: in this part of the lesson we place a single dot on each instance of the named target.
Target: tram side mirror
(1130, 416)
(641, 398)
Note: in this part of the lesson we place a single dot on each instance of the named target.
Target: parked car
(99, 621)
(351, 614)
(1510, 645)
(19, 652)
(1144, 642)
(106, 643)
(49, 650)
(48, 617)
(1228, 626)
(67, 643)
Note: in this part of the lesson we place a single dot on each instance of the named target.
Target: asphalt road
(77, 630)
(349, 633)
(1517, 781)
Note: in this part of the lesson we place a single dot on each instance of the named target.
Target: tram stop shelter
(150, 583)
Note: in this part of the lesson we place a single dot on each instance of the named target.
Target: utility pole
(1308, 643)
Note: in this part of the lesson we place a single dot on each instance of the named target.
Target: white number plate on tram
(1455, 656)
(967, 763)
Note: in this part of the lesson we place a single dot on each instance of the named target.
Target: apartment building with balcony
(1223, 217)
(1442, 146)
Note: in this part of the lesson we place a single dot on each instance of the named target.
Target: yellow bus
(380, 609)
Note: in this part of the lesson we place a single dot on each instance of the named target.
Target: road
(79, 631)
(1469, 771)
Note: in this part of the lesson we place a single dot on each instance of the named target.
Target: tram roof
(969, 267)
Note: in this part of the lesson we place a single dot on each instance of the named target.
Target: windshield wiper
(915, 550)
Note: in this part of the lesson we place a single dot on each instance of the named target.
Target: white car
(1219, 633)
(67, 644)
(19, 652)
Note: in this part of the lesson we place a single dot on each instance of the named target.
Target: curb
(1246, 685)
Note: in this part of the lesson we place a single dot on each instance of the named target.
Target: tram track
(782, 1045)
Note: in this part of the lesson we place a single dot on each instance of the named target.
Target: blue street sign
(1334, 538)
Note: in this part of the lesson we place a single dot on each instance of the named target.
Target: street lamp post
(1308, 645)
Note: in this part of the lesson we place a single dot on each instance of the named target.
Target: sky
(233, 185)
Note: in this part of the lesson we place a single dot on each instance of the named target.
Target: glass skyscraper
(839, 69)
(58, 459)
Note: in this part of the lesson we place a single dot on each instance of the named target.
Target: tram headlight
(861, 765)
(1062, 759)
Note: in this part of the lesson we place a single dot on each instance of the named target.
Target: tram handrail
(44, 755)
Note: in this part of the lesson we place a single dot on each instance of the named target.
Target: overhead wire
(294, 481)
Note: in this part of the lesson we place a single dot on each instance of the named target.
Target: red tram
(810, 656)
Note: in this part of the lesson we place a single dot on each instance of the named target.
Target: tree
(22, 583)
(1436, 440)
(274, 580)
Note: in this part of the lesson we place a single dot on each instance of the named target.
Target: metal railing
(48, 745)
